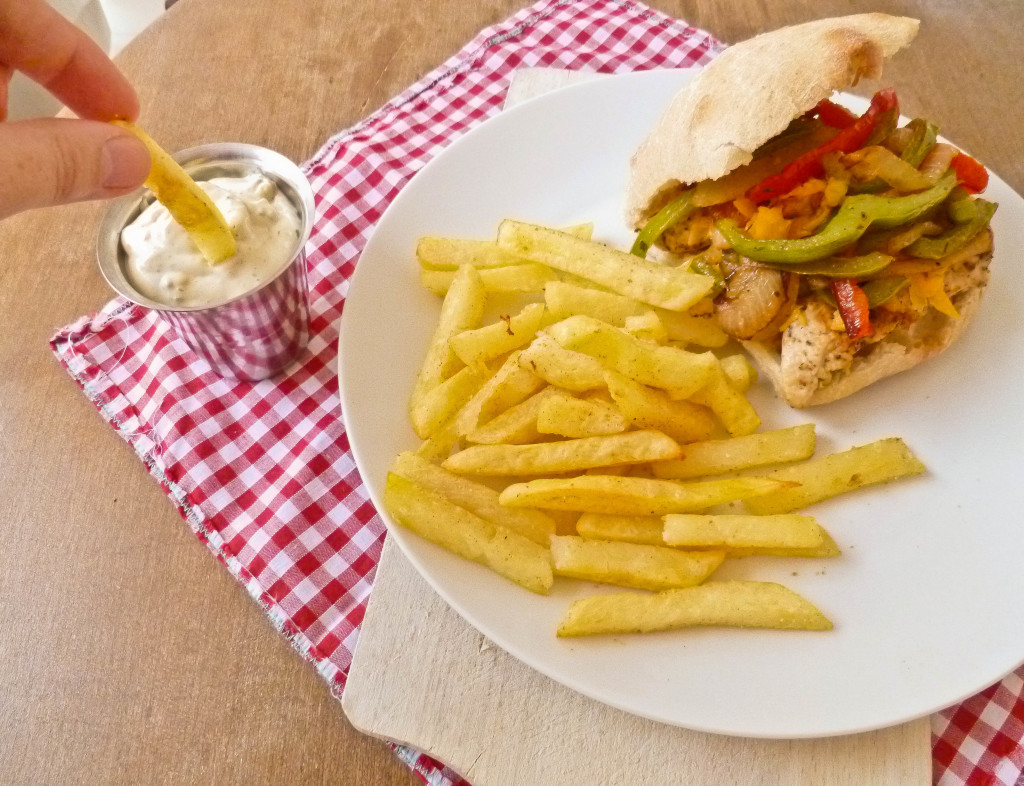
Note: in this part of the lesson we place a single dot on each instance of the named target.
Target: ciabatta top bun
(749, 176)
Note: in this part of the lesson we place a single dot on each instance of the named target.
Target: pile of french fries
(598, 430)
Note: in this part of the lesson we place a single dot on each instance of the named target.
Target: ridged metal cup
(256, 334)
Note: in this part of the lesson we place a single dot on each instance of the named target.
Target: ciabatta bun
(744, 98)
(751, 92)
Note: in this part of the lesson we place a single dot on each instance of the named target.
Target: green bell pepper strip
(954, 239)
(921, 142)
(700, 265)
(838, 267)
(960, 207)
(882, 289)
(676, 210)
(850, 221)
(923, 139)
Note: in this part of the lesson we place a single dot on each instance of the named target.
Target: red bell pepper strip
(833, 115)
(853, 307)
(810, 165)
(972, 175)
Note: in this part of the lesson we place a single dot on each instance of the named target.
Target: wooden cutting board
(423, 676)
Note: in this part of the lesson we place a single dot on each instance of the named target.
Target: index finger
(37, 40)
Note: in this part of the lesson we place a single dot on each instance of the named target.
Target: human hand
(56, 160)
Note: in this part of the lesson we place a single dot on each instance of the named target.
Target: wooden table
(131, 656)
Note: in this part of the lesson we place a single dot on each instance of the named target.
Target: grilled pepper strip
(810, 164)
(882, 289)
(839, 267)
(972, 174)
(956, 238)
(676, 210)
(851, 220)
(922, 140)
(853, 308)
(699, 264)
(834, 115)
(878, 291)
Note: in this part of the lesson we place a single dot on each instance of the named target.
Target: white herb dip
(166, 266)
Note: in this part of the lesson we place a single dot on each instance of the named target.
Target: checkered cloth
(262, 472)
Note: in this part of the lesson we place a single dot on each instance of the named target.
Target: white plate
(928, 594)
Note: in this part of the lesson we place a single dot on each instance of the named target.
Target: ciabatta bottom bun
(814, 362)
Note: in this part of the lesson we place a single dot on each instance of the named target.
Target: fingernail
(125, 162)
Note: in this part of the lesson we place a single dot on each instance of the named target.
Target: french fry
(739, 371)
(692, 329)
(186, 201)
(461, 309)
(437, 405)
(573, 417)
(828, 548)
(455, 529)
(527, 277)
(626, 274)
(561, 367)
(730, 405)
(510, 385)
(517, 425)
(631, 565)
(584, 231)
(646, 326)
(647, 407)
(737, 604)
(569, 455)
(632, 496)
(783, 531)
(662, 367)
(443, 253)
(565, 300)
(717, 457)
(649, 530)
(475, 347)
(449, 254)
(646, 530)
(829, 476)
(476, 498)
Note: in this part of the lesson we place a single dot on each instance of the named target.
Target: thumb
(58, 160)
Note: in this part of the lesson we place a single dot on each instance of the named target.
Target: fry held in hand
(186, 201)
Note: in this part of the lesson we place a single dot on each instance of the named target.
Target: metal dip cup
(256, 334)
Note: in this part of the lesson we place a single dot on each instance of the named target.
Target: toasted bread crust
(751, 92)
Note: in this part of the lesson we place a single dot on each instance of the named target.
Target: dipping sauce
(166, 266)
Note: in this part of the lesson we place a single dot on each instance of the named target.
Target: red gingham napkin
(262, 472)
